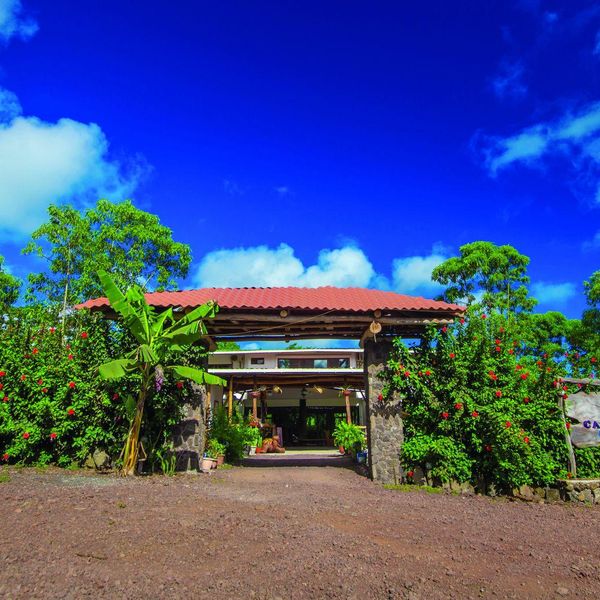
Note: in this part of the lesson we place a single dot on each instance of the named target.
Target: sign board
(584, 408)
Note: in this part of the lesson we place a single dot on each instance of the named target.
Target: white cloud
(13, 23)
(576, 136)
(262, 266)
(508, 82)
(413, 273)
(553, 293)
(43, 163)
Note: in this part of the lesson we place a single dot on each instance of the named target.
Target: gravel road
(283, 532)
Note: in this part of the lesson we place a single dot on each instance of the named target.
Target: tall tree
(130, 244)
(9, 287)
(495, 276)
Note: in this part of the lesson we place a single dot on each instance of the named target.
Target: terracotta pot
(206, 464)
(341, 449)
(220, 459)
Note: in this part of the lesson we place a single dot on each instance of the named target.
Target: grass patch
(4, 477)
(408, 487)
(225, 466)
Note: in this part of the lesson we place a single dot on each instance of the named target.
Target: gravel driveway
(283, 532)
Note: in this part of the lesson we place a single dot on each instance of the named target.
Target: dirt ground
(283, 532)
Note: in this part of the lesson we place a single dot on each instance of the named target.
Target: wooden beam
(230, 399)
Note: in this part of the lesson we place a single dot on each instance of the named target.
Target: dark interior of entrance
(308, 426)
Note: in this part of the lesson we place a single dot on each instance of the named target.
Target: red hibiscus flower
(492, 375)
(569, 475)
(474, 414)
(2, 373)
(497, 342)
(5, 399)
(406, 373)
(488, 448)
(498, 349)
(594, 359)
(526, 440)
(539, 363)
(25, 436)
(511, 351)
(445, 415)
(52, 329)
(84, 335)
(179, 385)
(526, 400)
(518, 367)
(452, 355)
(70, 357)
(45, 390)
(462, 321)
(545, 355)
(1, 386)
(444, 329)
(498, 394)
(380, 397)
(53, 436)
(71, 384)
(35, 350)
(524, 375)
(484, 316)
(5, 457)
(71, 412)
(115, 396)
(23, 377)
(568, 425)
(507, 424)
(428, 373)
(410, 474)
(502, 329)
(458, 406)
(40, 382)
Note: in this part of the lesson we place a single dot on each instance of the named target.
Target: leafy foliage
(497, 273)
(234, 434)
(350, 436)
(9, 288)
(130, 244)
(157, 338)
(481, 404)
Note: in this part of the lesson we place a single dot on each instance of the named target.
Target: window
(313, 363)
(257, 361)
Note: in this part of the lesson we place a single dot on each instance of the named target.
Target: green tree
(158, 337)
(131, 244)
(9, 288)
(498, 273)
(592, 289)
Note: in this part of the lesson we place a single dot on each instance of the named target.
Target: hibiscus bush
(481, 405)
(54, 407)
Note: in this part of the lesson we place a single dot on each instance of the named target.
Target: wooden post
(348, 412)
(230, 399)
(570, 451)
(254, 405)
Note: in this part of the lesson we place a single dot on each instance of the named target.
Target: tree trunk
(131, 449)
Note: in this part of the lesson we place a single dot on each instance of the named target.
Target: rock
(552, 494)
(101, 459)
(561, 591)
(596, 495)
(89, 462)
(526, 492)
(586, 496)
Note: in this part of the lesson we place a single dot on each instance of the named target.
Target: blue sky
(313, 143)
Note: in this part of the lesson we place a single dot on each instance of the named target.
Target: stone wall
(583, 491)
(188, 435)
(384, 421)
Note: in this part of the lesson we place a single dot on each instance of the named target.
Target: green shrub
(350, 436)
(481, 405)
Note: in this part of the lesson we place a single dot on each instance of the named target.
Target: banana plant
(158, 336)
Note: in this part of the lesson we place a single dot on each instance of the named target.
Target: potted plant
(254, 439)
(350, 436)
(216, 450)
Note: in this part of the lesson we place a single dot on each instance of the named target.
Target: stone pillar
(189, 433)
(384, 421)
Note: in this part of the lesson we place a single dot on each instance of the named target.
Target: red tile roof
(277, 298)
